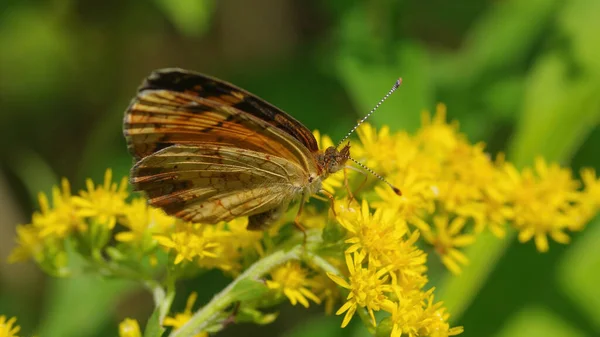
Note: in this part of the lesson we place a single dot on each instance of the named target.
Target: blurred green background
(522, 76)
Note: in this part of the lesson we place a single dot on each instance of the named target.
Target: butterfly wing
(211, 88)
(212, 183)
(174, 106)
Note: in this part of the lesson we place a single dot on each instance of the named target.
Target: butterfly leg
(231, 318)
(360, 187)
(331, 200)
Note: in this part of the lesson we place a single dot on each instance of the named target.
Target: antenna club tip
(397, 191)
(398, 82)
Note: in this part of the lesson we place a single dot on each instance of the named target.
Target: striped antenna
(394, 188)
(396, 85)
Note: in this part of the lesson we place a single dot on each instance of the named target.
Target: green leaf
(504, 96)
(579, 272)
(538, 322)
(248, 290)
(457, 291)
(153, 326)
(579, 20)
(252, 315)
(558, 112)
(502, 38)
(79, 305)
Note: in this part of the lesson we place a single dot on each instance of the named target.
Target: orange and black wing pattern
(220, 93)
(175, 106)
(207, 151)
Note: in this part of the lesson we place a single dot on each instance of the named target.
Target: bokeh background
(521, 76)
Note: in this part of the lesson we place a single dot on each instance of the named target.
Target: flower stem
(163, 299)
(204, 317)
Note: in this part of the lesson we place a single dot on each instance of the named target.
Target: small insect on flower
(207, 151)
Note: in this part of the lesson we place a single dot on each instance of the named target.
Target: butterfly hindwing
(209, 183)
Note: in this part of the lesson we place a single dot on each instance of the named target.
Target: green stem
(204, 317)
(162, 299)
(323, 264)
(109, 268)
(366, 319)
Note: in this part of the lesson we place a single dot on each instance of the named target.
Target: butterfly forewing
(179, 80)
(160, 118)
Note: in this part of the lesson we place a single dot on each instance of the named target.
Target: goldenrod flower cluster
(452, 190)
(364, 256)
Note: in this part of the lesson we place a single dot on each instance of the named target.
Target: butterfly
(207, 151)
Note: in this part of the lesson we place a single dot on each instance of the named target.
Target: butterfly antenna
(364, 167)
(396, 85)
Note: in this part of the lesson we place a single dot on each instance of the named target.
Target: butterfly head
(333, 160)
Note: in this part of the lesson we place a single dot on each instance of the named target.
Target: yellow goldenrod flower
(407, 313)
(383, 237)
(311, 217)
(436, 137)
(63, 217)
(233, 244)
(327, 291)
(141, 220)
(592, 186)
(494, 210)
(294, 282)
(418, 195)
(181, 318)
(105, 202)
(379, 150)
(467, 172)
(29, 244)
(48, 226)
(435, 320)
(447, 236)
(129, 328)
(188, 241)
(414, 313)
(589, 201)
(375, 235)
(544, 200)
(368, 287)
(8, 328)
